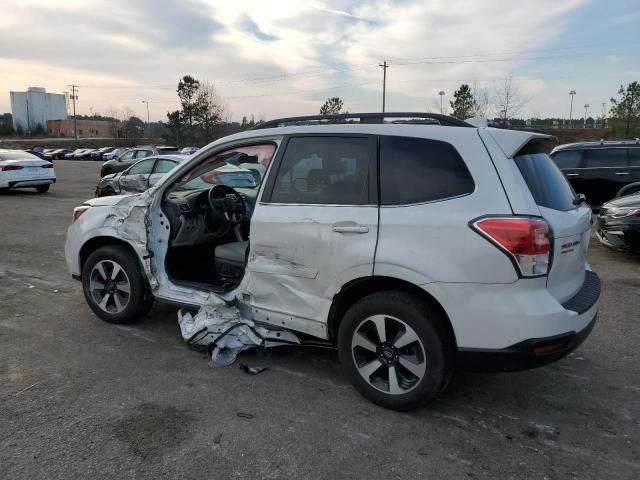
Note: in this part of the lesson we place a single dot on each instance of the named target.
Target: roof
(510, 141)
(600, 144)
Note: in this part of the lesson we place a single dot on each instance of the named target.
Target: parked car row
(102, 154)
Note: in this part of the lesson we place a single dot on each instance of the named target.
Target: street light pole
(586, 111)
(441, 93)
(148, 132)
(572, 93)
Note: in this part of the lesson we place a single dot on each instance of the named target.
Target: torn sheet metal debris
(220, 328)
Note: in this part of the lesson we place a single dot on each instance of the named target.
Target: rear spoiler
(512, 141)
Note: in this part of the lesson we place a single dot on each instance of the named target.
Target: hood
(626, 201)
(109, 201)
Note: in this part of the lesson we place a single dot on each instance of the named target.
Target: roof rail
(372, 117)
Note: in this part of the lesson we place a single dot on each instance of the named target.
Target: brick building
(86, 128)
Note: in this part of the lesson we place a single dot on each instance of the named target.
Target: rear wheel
(114, 286)
(395, 351)
(42, 188)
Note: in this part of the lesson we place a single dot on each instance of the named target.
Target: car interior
(209, 211)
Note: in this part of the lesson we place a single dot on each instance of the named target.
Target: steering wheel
(226, 204)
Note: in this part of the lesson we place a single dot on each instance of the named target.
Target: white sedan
(19, 169)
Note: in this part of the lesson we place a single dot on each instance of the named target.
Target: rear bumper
(29, 182)
(524, 355)
(535, 352)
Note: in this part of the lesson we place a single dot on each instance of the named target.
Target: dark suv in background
(134, 155)
(600, 170)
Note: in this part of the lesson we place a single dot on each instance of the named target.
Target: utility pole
(384, 66)
(572, 93)
(603, 114)
(74, 97)
(442, 94)
(148, 128)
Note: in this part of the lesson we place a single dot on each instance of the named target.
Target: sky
(285, 57)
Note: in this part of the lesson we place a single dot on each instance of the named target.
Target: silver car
(138, 177)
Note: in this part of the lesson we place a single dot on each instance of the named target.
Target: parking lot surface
(80, 398)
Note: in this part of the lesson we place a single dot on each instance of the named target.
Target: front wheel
(42, 188)
(395, 350)
(114, 286)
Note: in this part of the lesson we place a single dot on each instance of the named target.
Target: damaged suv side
(415, 248)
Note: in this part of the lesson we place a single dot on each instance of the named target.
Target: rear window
(546, 183)
(18, 156)
(568, 159)
(418, 170)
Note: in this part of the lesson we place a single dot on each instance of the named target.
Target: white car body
(303, 258)
(19, 169)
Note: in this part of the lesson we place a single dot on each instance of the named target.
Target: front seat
(231, 259)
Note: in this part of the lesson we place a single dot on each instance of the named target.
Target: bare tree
(508, 100)
(210, 111)
(481, 100)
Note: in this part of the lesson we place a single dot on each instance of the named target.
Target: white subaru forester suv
(417, 246)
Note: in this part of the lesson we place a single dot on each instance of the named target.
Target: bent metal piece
(221, 329)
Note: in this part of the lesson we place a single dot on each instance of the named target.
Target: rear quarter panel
(432, 242)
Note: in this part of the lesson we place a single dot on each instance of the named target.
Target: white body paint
(298, 262)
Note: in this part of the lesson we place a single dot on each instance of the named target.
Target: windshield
(218, 173)
(240, 167)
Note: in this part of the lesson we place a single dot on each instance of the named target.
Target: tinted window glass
(127, 155)
(164, 166)
(416, 170)
(568, 158)
(606, 157)
(634, 157)
(548, 186)
(141, 167)
(143, 153)
(324, 170)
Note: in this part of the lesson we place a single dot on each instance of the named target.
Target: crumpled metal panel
(222, 329)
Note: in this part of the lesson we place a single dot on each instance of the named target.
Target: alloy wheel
(388, 354)
(109, 286)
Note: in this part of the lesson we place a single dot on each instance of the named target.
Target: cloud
(246, 23)
(121, 51)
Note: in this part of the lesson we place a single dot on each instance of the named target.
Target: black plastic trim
(521, 356)
(587, 296)
(370, 117)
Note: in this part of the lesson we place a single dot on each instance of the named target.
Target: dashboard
(191, 219)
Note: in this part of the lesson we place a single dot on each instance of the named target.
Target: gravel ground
(80, 398)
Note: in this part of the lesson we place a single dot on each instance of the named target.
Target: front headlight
(78, 211)
(621, 212)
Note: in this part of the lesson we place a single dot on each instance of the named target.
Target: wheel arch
(359, 288)
(631, 187)
(94, 243)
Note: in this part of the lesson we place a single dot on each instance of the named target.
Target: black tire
(139, 300)
(427, 324)
(42, 188)
(107, 171)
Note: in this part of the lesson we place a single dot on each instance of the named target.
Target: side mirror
(580, 199)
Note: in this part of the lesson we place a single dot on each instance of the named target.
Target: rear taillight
(6, 168)
(526, 240)
(48, 165)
